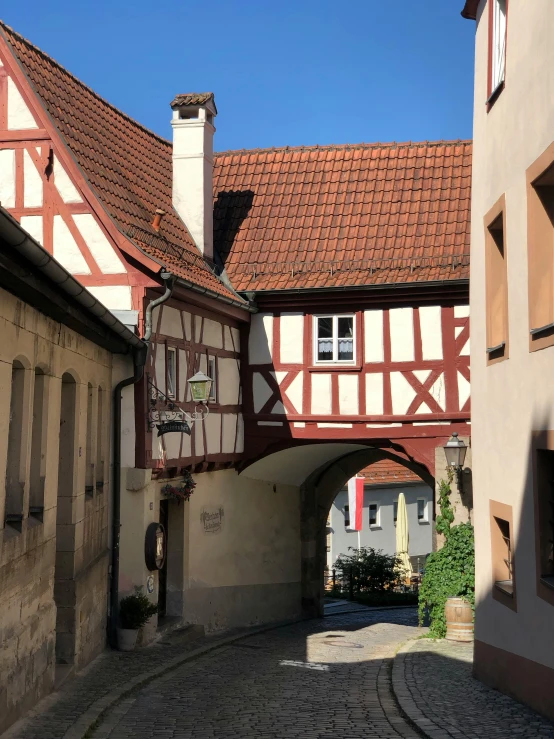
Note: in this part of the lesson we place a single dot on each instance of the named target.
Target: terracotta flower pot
(126, 639)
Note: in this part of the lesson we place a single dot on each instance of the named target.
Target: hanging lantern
(455, 451)
(200, 386)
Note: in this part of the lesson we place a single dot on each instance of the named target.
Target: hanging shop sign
(180, 427)
(155, 546)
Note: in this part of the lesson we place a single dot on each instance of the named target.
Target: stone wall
(53, 503)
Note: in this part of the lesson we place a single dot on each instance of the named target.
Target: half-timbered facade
(324, 290)
(357, 258)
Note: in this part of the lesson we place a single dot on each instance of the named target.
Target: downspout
(139, 362)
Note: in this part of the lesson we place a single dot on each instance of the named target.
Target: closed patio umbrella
(402, 536)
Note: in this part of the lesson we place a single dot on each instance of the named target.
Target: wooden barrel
(459, 620)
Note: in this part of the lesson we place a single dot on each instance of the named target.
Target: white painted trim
(334, 362)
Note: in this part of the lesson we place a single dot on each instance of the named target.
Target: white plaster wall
(373, 336)
(295, 392)
(431, 331)
(102, 251)
(292, 338)
(512, 398)
(114, 297)
(374, 393)
(261, 391)
(7, 178)
(402, 393)
(33, 226)
(213, 334)
(170, 324)
(260, 339)
(66, 250)
(64, 184)
(229, 381)
(348, 394)
(402, 334)
(32, 183)
(321, 393)
(250, 567)
(19, 116)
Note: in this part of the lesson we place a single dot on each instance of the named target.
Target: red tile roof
(128, 166)
(331, 216)
(387, 471)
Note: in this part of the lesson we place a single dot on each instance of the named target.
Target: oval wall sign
(154, 546)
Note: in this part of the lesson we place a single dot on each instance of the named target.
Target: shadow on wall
(231, 209)
(514, 611)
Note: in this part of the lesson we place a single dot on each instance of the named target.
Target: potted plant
(134, 612)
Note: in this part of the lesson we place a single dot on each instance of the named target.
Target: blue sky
(284, 73)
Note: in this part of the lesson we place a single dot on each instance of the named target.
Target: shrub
(135, 610)
(450, 572)
(370, 569)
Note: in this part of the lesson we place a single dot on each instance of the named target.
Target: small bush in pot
(134, 611)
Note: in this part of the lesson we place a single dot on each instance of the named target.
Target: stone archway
(317, 495)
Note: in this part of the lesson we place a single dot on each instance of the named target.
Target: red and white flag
(355, 502)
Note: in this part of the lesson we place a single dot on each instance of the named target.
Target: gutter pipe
(139, 361)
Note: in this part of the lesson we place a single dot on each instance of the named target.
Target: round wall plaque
(154, 546)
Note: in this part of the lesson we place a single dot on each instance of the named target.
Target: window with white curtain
(334, 339)
(498, 44)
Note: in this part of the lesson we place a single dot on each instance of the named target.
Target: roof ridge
(332, 147)
(38, 50)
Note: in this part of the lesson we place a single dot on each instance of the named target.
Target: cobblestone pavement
(317, 679)
(435, 688)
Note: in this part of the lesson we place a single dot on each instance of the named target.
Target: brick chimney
(193, 163)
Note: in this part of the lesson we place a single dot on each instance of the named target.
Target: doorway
(162, 574)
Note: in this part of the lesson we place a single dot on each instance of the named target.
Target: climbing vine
(450, 572)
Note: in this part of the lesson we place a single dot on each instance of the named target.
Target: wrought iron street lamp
(200, 387)
(455, 451)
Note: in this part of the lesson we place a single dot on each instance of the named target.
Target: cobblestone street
(434, 685)
(331, 678)
(326, 678)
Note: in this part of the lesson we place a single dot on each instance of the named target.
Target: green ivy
(450, 572)
(446, 516)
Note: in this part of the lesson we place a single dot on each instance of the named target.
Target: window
(89, 463)
(374, 515)
(346, 516)
(100, 442)
(171, 372)
(503, 573)
(395, 511)
(422, 515)
(14, 462)
(496, 283)
(540, 250)
(39, 436)
(212, 374)
(334, 339)
(497, 61)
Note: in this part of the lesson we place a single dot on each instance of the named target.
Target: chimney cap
(194, 98)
